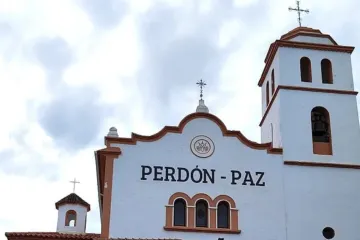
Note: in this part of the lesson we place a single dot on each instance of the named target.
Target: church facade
(200, 180)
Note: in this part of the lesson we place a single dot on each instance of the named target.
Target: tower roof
(302, 38)
(72, 198)
(306, 31)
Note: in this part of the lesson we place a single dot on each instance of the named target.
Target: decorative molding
(179, 129)
(202, 146)
(212, 214)
(293, 44)
(320, 164)
(306, 89)
(202, 229)
(105, 165)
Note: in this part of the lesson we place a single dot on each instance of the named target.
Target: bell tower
(309, 104)
(72, 214)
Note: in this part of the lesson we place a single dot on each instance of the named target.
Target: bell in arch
(319, 126)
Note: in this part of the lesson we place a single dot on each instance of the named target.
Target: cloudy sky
(71, 69)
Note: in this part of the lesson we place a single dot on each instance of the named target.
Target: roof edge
(179, 129)
(304, 45)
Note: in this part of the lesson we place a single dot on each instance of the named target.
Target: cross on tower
(299, 10)
(202, 84)
(74, 182)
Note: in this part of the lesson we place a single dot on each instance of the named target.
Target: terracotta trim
(225, 198)
(179, 129)
(105, 158)
(301, 29)
(307, 89)
(191, 216)
(200, 229)
(182, 195)
(51, 235)
(203, 196)
(292, 44)
(234, 219)
(308, 34)
(319, 164)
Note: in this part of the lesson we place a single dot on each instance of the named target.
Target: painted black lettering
(258, 182)
(248, 178)
(196, 175)
(181, 177)
(235, 175)
(207, 175)
(145, 171)
(169, 172)
(158, 172)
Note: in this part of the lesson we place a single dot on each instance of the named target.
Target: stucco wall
(81, 213)
(309, 39)
(270, 129)
(276, 66)
(319, 197)
(295, 117)
(138, 207)
(296, 202)
(289, 59)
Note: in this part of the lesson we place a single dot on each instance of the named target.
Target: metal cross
(74, 182)
(201, 84)
(299, 10)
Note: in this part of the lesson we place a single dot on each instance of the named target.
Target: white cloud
(111, 60)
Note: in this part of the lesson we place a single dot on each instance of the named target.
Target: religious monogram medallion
(202, 146)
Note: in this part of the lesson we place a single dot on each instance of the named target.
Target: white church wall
(270, 129)
(296, 126)
(319, 197)
(81, 213)
(275, 66)
(290, 68)
(308, 39)
(138, 206)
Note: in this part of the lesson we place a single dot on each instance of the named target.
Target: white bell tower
(309, 104)
(72, 214)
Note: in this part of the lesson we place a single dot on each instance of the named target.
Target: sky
(71, 69)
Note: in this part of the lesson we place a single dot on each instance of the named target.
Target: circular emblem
(202, 146)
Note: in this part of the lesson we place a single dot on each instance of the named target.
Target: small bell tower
(309, 105)
(72, 213)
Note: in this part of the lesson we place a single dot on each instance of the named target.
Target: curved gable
(179, 129)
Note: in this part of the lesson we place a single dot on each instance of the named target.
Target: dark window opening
(70, 219)
(267, 94)
(272, 82)
(180, 212)
(201, 214)
(320, 125)
(328, 233)
(305, 69)
(223, 215)
(326, 71)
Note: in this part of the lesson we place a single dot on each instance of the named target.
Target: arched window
(321, 131)
(223, 215)
(180, 212)
(272, 82)
(267, 94)
(70, 218)
(201, 214)
(326, 71)
(305, 69)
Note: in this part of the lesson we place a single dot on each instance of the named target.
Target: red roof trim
(72, 198)
(73, 236)
(292, 44)
(51, 235)
(178, 129)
